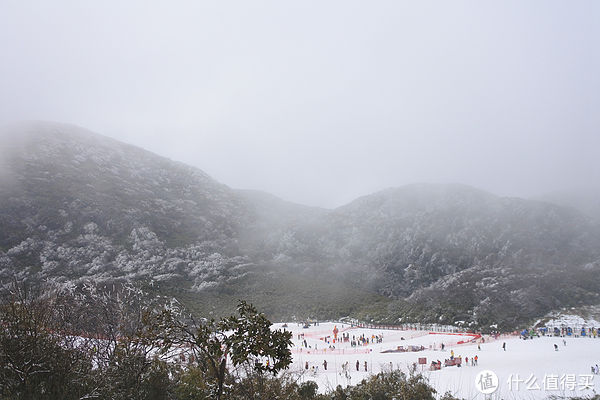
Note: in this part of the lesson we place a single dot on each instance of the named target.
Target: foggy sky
(320, 102)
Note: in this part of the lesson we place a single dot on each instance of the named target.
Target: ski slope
(534, 368)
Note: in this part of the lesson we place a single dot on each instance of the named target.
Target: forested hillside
(77, 206)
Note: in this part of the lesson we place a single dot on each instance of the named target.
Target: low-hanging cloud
(322, 102)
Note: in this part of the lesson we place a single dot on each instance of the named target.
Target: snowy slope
(75, 204)
(534, 360)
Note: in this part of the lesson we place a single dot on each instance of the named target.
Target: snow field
(534, 368)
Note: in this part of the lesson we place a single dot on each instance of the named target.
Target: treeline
(84, 342)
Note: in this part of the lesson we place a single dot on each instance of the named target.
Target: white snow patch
(522, 359)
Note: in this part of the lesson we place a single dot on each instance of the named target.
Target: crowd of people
(363, 340)
(338, 336)
(563, 331)
(454, 361)
(345, 366)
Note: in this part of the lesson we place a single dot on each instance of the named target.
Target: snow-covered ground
(534, 368)
(576, 322)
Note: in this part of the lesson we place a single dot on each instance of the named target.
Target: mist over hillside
(585, 200)
(75, 205)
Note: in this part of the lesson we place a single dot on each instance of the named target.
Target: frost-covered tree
(245, 339)
(36, 360)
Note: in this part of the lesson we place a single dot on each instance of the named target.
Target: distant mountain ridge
(446, 228)
(75, 205)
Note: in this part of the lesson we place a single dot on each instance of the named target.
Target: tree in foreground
(36, 361)
(246, 339)
(392, 385)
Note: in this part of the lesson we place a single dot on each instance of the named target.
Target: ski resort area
(299, 200)
(468, 365)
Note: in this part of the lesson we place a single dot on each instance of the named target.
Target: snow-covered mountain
(76, 205)
(453, 252)
(417, 234)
